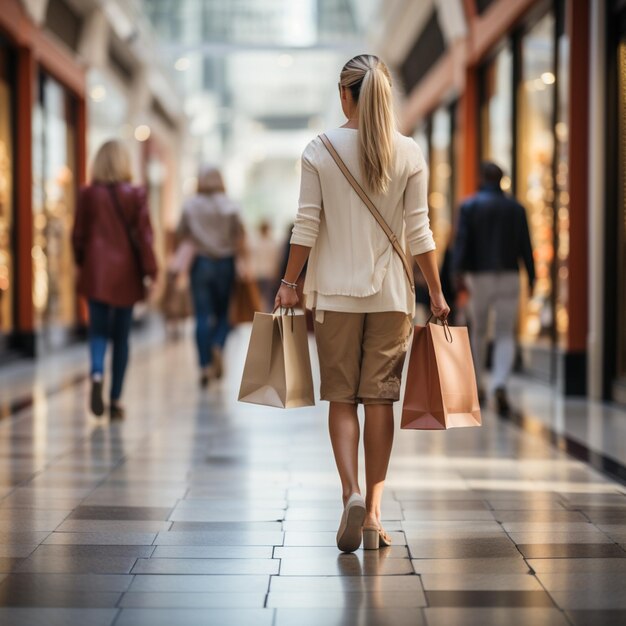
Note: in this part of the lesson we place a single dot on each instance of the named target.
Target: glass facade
(496, 113)
(534, 177)
(54, 198)
(6, 197)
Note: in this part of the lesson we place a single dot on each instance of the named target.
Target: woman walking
(357, 283)
(212, 222)
(112, 242)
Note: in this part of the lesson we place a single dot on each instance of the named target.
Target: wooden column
(577, 26)
(26, 80)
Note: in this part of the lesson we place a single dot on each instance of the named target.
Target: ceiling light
(182, 64)
(142, 132)
(98, 93)
(548, 78)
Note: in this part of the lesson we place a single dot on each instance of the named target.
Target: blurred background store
(539, 86)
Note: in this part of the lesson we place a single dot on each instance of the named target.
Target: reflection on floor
(199, 510)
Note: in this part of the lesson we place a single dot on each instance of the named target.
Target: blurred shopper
(356, 281)
(112, 242)
(492, 239)
(211, 221)
(265, 254)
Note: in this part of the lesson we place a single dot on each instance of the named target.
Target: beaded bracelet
(288, 284)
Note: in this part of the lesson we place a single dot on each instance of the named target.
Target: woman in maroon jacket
(112, 242)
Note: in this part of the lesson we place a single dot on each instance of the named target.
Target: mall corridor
(200, 510)
(164, 176)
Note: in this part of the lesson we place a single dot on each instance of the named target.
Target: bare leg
(378, 440)
(343, 425)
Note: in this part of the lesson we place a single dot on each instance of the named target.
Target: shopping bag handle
(446, 328)
(289, 310)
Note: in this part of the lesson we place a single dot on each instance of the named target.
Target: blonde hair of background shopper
(112, 164)
(369, 82)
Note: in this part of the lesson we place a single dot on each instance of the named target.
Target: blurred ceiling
(258, 64)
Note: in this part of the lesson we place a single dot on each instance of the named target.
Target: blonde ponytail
(369, 81)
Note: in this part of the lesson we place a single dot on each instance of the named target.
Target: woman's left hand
(439, 306)
(287, 298)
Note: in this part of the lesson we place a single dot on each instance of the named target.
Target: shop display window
(535, 185)
(440, 188)
(496, 113)
(562, 192)
(6, 198)
(54, 197)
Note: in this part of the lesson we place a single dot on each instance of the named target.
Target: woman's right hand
(439, 306)
(287, 298)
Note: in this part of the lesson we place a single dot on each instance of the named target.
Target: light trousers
(495, 293)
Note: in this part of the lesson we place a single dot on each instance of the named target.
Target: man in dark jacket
(492, 239)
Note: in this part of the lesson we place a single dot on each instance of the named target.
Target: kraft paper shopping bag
(277, 371)
(441, 390)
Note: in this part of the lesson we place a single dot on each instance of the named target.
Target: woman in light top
(212, 222)
(356, 282)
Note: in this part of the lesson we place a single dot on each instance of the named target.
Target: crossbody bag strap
(393, 239)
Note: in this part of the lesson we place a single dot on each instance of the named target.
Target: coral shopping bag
(441, 390)
(277, 371)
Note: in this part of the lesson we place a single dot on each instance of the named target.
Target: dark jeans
(211, 287)
(109, 322)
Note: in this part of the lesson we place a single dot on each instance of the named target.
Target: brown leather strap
(373, 210)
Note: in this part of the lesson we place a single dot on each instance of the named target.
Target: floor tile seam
(116, 617)
(561, 610)
(267, 591)
(533, 573)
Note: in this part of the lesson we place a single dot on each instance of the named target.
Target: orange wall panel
(577, 24)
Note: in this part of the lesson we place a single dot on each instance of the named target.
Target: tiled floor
(199, 510)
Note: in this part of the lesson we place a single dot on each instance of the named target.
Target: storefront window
(535, 184)
(496, 113)
(54, 197)
(440, 195)
(6, 198)
(562, 190)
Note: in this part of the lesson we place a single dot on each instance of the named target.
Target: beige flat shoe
(375, 537)
(351, 526)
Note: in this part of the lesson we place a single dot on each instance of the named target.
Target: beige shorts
(361, 355)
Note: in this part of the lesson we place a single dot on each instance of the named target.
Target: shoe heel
(371, 539)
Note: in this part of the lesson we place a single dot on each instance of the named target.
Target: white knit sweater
(352, 266)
